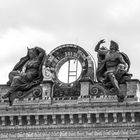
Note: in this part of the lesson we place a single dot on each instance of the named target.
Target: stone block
(47, 88)
(133, 89)
(84, 88)
(3, 90)
(123, 89)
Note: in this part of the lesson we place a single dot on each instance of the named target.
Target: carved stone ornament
(26, 74)
(58, 57)
(35, 92)
(113, 67)
(97, 90)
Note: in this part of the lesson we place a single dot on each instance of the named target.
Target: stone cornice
(42, 109)
(73, 132)
(74, 126)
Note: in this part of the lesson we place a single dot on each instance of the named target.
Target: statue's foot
(121, 98)
(8, 83)
(5, 96)
(10, 103)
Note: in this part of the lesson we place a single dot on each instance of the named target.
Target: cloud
(14, 46)
(16, 39)
(122, 10)
(50, 23)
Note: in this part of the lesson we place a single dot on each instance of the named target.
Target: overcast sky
(50, 23)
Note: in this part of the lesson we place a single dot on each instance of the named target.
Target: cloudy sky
(50, 23)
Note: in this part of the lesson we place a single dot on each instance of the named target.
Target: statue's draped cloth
(32, 76)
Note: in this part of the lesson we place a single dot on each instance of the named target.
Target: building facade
(79, 110)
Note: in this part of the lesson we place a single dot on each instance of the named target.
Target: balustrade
(3, 120)
(133, 116)
(71, 118)
(28, 120)
(37, 119)
(115, 117)
(11, 120)
(20, 120)
(124, 117)
(54, 119)
(97, 117)
(106, 117)
(89, 118)
(80, 118)
(45, 119)
(63, 119)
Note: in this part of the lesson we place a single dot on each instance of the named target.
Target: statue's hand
(97, 47)
(121, 68)
(102, 41)
(8, 83)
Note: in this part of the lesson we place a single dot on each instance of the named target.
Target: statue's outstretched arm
(97, 47)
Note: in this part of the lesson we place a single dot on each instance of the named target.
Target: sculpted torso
(112, 59)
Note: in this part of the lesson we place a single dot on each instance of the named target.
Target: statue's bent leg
(12, 75)
(14, 84)
(16, 81)
(116, 86)
(114, 81)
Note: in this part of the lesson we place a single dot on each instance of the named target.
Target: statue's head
(103, 48)
(114, 46)
(31, 53)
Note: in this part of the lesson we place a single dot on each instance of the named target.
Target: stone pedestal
(85, 86)
(133, 89)
(47, 88)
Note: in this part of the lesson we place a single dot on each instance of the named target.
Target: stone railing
(65, 100)
(132, 89)
(68, 119)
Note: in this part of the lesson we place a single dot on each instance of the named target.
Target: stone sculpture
(26, 74)
(113, 67)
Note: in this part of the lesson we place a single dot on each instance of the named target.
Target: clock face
(69, 63)
(70, 71)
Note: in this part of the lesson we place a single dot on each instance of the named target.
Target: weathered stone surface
(93, 113)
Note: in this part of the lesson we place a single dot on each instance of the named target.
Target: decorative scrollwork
(19, 94)
(94, 91)
(47, 73)
(97, 90)
(36, 92)
(60, 56)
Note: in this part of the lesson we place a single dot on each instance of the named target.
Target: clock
(59, 60)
